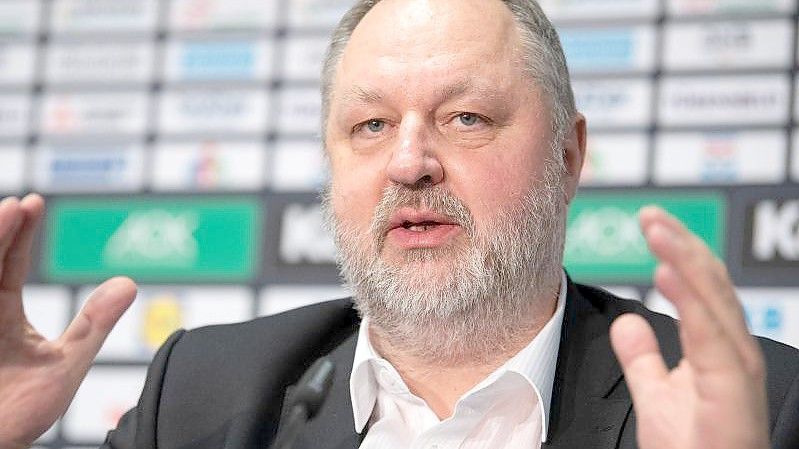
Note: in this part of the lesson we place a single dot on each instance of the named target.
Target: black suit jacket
(223, 386)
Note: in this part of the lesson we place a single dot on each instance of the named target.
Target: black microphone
(303, 402)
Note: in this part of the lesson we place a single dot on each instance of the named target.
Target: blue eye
(375, 126)
(468, 119)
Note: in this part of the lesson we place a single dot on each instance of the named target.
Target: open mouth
(420, 227)
(412, 228)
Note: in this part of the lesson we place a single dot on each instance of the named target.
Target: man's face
(431, 96)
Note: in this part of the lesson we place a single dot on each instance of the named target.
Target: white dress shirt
(508, 409)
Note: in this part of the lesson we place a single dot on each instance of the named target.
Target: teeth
(419, 227)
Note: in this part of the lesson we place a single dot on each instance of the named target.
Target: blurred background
(177, 142)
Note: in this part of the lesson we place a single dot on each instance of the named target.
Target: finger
(637, 349)
(705, 273)
(11, 311)
(18, 257)
(85, 335)
(704, 341)
(10, 221)
(702, 273)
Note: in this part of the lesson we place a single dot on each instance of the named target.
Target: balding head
(540, 49)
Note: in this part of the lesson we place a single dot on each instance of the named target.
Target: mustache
(433, 198)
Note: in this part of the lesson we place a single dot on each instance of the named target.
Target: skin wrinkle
(463, 95)
(497, 281)
(541, 58)
(363, 95)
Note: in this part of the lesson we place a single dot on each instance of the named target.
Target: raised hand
(715, 398)
(38, 378)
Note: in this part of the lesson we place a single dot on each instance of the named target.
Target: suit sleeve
(137, 428)
(786, 427)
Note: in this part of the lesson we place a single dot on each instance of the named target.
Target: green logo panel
(152, 240)
(604, 242)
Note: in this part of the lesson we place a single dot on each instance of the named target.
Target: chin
(433, 258)
(426, 267)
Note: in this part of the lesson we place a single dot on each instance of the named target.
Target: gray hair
(545, 61)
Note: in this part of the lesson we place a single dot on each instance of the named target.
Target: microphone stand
(303, 402)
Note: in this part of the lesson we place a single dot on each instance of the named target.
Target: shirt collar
(536, 363)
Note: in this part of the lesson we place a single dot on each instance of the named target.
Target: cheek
(355, 191)
(490, 184)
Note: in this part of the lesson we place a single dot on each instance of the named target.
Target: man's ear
(574, 148)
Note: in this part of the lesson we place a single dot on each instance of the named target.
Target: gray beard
(465, 301)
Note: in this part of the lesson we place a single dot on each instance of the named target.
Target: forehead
(407, 41)
(445, 89)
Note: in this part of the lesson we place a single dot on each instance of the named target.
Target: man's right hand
(38, 378)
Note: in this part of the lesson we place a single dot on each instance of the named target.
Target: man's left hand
(715, 398)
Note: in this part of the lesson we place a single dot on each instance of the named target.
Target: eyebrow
(458, 89)
(362, 95)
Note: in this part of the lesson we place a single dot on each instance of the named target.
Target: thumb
(636, 347)
(85, 335)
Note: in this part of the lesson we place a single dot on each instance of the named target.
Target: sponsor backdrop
(177, 142)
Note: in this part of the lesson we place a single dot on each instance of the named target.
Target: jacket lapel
(334, 426)
(590, 403)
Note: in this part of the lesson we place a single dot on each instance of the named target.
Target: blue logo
(599, 49)
(218, 60)
(767, 319)
(87, 170)
(719, 160)
(773, 319)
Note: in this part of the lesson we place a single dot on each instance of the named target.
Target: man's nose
(414, 159)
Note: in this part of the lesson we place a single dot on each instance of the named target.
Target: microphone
(304, 401)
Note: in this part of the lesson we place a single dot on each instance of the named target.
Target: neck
(442, 377)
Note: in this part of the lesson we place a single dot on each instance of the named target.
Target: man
(454, 149)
